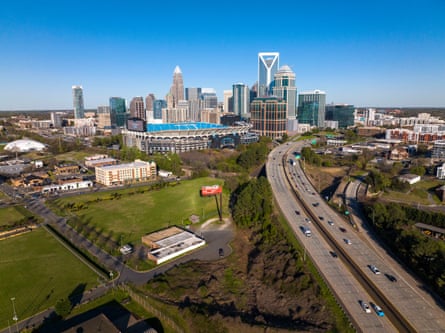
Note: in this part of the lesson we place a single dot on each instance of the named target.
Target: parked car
(126, 249)
(221, 252)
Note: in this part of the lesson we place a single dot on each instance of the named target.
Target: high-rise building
(118, 111)
(268, 63)
(158, 105)
(342, 113)
(192, 94)
(149, 102)
(241, 99)
(227, 95)
(177, 88)
(209, 98)
(284, 87)
(79, 110)
(137, 109)
(268, 116)
(311, 108)
(103, 117)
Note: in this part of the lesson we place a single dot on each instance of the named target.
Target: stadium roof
(24, 145)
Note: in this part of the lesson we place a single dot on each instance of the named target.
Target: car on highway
(365, 306)
(378, 310)
(297, 212)
(321, 218)
(333, 254)
(342, 229)
(390, 277)
(347, 241)
(316, 204)
(330, 222)
(307, 220)
(374, 269)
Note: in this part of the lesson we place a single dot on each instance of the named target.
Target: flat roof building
(125, 173)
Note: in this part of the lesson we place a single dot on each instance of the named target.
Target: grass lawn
(135, 214)
(10, 215)
(37, 271)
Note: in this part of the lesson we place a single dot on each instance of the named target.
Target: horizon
(358, 53)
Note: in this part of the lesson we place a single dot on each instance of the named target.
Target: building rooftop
(181, 126)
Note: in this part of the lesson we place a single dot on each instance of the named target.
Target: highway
(348, 275)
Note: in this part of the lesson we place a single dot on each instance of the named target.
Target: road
(419, 309)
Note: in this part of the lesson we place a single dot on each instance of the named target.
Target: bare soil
(259, 288)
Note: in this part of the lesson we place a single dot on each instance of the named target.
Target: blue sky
(366, 53)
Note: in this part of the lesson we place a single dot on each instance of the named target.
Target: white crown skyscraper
(268, 63)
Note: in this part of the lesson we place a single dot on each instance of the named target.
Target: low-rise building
(66, 169)
(120, 174)
(410, 178)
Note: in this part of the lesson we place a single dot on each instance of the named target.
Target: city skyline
(384, 54)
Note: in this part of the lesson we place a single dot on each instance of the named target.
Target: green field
(11, 215)
(135, 214)
(37, 271)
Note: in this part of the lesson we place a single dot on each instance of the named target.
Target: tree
(418, 170)
(63, 307)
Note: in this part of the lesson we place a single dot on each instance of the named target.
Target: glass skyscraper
(240, 99)
(79, 110)
(268, 63)
(311, 108)
(118, 111)
(343, 113)
(158, 105)
(284, 87)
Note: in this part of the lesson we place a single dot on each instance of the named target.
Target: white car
(348, 241)
(126, 249)
(374, 269)
(330, 222)
(365, 307)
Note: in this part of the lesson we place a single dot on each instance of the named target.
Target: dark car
(297, 212)
(221, 252)
(390, 277)
(333, 254)
(315, 204)
(342, 229)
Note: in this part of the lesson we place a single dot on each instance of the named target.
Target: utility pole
(15, 318)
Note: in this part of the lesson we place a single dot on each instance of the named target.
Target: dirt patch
(259, 286)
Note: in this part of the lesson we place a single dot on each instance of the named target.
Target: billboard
(211, 190)
(136, 124)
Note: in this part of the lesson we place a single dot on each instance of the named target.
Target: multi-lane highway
(345, 260)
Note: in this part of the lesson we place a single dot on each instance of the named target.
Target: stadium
(183, 137)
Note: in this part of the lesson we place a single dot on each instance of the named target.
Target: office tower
(311, 108)
(227, 95)
(369, 116)
(268, 63)
(79, 110)
(192, 94)
(209, 98)
(149, 102)
(241, 99)
(268, 116)
(342, 113)
(158, 105)
(118, 111)
(284, 87)
(103, 116)
(177, 88)
(137, 109)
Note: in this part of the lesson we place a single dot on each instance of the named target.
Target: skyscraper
(311, 108)
(284, 87)
(137, 109)
(268, 116)
(209, 98)
(268, 63)
(192, 94)
(149, 102)
(79, 110)
(228, 94)
(118, 111)
(177, 88)
(158, 105)
(241, 99)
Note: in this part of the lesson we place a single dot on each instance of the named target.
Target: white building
(77, 185)
(123, 173)
(440, 173)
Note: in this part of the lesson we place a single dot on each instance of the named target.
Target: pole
(15, 318)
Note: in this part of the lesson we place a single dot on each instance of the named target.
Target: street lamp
(15, 318)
